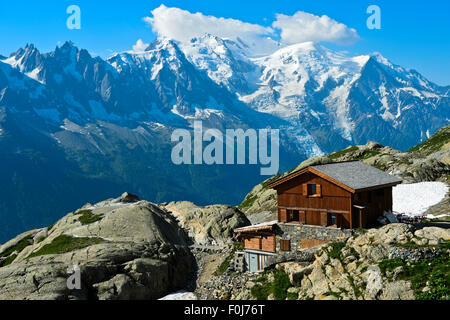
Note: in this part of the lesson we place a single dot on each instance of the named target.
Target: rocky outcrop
(124, 248)
(367, 266)
(351, 270)
(212, 224)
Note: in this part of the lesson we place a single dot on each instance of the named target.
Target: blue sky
(414, 34)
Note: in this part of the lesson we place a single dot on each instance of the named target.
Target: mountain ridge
(91, 127)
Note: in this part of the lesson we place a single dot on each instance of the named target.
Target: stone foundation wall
(305, 236)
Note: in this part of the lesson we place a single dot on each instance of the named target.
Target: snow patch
(180, 295)
(415, 198)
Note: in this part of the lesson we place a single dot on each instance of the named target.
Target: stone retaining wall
(305, 236)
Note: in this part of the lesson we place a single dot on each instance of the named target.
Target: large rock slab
(140, 252)
(212, 224)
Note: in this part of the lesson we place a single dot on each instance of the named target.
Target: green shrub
(248, 201)
(22, 244)
(438, 289)
(226, 263)
(64, 243)
(433, 144)
(334, 250)
(292, 296)
(367, 154)
(8, 260)
(270, 180)
(340, 153)
(390, 264)
(87, 217)
(278, 287)
(434, 271)
(261, 292)
(361, 230)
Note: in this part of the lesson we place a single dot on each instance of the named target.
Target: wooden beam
(351, 211)
(314, 209)
(288, 177)
(328, 178)
(379, 187)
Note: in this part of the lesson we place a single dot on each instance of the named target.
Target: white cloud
(140, 46)
(182, 25)
(303, 26)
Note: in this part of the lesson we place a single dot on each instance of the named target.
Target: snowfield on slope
(180, 295)
(415, 198)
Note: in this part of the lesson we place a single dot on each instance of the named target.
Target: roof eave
(379, 186)
(287, 177)
(326, 177)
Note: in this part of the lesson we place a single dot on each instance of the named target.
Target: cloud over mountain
(303, 26)
(140, 46)
(182, 25)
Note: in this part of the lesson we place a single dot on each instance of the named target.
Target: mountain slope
(76, 128)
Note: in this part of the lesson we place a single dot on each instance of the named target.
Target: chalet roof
(356, 175)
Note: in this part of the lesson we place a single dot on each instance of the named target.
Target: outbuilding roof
(265, 226)
(356, 175)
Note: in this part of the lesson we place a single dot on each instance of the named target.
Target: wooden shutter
(305, 189)
(268, 243)
(252, 243)
(283, 215)
(302, 217)
(319, 190)
(285, 245)
(323, 218)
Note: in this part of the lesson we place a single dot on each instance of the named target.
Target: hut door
(253, 263)
(294, 216)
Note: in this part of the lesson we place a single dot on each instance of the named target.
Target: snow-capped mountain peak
(328, 98)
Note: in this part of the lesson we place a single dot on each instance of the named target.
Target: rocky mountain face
(395, 262)
(125, 248)
(75, 127)
(428, 161)
(210, 225)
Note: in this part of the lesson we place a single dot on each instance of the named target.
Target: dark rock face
(128, 198)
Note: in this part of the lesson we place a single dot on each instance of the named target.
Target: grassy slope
(433, 144)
